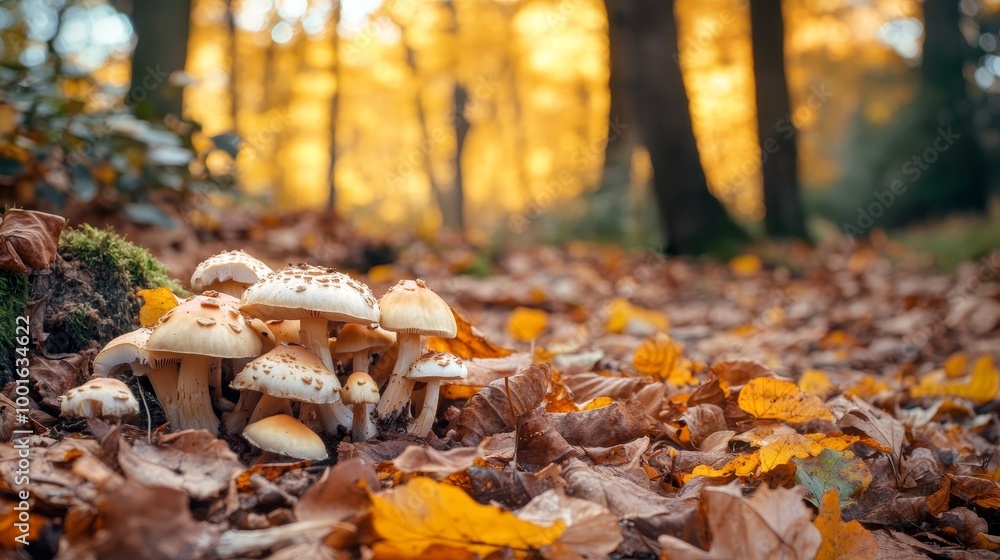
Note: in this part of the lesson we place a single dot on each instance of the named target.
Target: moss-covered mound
(86, 298)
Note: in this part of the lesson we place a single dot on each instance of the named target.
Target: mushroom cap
(360, 389)
(127, 351)
(205, 325)
(437, 366)
(354, 337)
(411, 307)
(236, 266)
(100, 397)
(289, 372)
(303, 291)
(285, 435)
(284, 330)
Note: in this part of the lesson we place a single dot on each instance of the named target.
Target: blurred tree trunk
(234, 60)
(692, 220)
(162, 30)
(613, 192)
(779, 154)
(331, 199)
(460, 99)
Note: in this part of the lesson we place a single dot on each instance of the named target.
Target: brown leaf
(57, 374)
(538, 443)
(591, 530)
(489, 411)
(619, 422)
(428, 460)
(513, 489)
(374, 452)
(468, 344)
(876, 424)
(586, 386)
(704, 420)
(29, 239)
(192, 461)
(770, 524)
(339, 494)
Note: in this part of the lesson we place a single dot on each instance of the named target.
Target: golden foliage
(981, 386)
(468, 344)
(526, 324)
(626, 317)
(661, 357)
(765, 397)
(156, 302)
(842, 541)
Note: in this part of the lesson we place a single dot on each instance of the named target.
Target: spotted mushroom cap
(438, 366)
(205, 325)
(411, 307)
(285, 435)
(284, 330)
(289, 372)
(354, 337)
(303, 291)
(100, 397)
(360, 388)
(228, 266)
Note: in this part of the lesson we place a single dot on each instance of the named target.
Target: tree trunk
(461, 131)
(692, 220)
(331, 199)
(779, 153)
(162, 30)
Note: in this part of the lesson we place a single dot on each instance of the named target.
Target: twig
(149, 417)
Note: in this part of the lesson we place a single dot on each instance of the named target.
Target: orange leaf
(526, 324)
(470, 343)
(815, 382)
(623, 317)
(982, 386)
(781, 451)
(842, 541)
(660, 356)
(157, 301)
(765, 397)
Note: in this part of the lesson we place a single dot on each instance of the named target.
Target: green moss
(98, 248)
(15, 288)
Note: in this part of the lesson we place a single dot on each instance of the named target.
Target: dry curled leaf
(191, 461)
(468, 344)
(489, 411)
(28, 239)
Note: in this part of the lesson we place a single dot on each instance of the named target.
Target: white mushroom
(360, 390)
(229, 272)
(283, 435)
(130, 351)
(433, 368)
(100, 397)
(361, 341)
(287, 373)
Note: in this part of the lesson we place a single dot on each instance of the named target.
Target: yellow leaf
(423, 513)
(525, 323)
(458, 392)
(842, 541)
(744, 465)
(599, 402)
(766, 397)
(836, 443)
(623, 317)
(957, 365)
(784, 448)
(745, 265)
(867, 387)
(382, 273)
(157, 301)
(815, 382)
(660, 356)
(470, 343)
(981, 386)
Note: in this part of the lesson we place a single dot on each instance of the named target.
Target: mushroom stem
(269, 457)
(395, 398)
(334, 414)
(269, 406)
(363, 428)
(425, 420)
(361, 360)
(231, 287)
(215, 378)
(194, 403)
(313, 333)
(237, 419)
(164, 382)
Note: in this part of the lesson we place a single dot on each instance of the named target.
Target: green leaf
(832, 469)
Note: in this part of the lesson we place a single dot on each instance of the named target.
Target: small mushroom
(361, 341)
(130, 351)
(229, 272)
(282, 435)
(410, 309)
(100, 397)
(361, 391)
(433, 368)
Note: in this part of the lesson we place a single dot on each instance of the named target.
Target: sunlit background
(536, 72)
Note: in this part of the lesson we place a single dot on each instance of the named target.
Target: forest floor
(831, 402)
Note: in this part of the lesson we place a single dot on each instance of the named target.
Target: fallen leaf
(526, 323)
(29, 239)
(624, 317)
(767, 398)
(423, 513)
(469, 342)
(56, 374)
(843, 473)
(745, 265)
(786, 447)
(982, 385)
(156, 302)
(591, 530)
(660, 357)
(842, 541)
(770, 524)
(815, 382)
(620, 422)
(876, 424)
(422, 459)
(191, 461)
(489, 411)
(744, 465)
(340, 493)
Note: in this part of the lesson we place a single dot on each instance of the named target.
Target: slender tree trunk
(692, 220)
(234, 61)
(331, 199)
(162, 30)
(461, 131)
(779, 153)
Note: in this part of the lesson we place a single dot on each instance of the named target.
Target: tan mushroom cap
(360, 389)
(411, 307)
(128, 350)
(354, 337)
(438, 366)
(285, 435)
(289, 372)
(100, 397)
(234, 266)
(303, 291)
(205, 325)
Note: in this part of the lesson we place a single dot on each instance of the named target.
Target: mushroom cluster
(296, 344)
